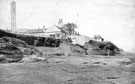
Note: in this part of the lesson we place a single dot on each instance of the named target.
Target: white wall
(79, 39)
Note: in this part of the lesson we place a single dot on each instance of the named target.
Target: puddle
(65, 70)
(48, 66)
(58, 62)
(70, 80)
(112, 77)
(75, 72)
(97, 63)
(85, 63)
(82, 68)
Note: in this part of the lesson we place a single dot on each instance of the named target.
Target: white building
(81, 40)
(53, 31)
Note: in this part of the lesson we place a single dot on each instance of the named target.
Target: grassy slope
(64, 73)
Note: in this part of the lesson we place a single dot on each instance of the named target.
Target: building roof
(32, 31)
(62, 29)
(54, 29)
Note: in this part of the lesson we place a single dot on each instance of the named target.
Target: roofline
(61, 29)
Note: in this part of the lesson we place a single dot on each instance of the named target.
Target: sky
(114, 20)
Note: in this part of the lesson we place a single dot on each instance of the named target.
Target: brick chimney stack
(60, 23)
(13, 16)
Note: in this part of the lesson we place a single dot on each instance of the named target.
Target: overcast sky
(114, 20)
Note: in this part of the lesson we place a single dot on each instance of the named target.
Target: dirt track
(63, 70)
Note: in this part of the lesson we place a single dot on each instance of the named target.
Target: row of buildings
(58, 32)
(55, 31)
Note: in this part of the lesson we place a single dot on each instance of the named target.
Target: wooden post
(108, 52)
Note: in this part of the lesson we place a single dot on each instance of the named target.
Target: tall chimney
(13, 16)
(60, 23)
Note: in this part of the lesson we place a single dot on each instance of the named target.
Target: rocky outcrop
(10, 53)
(14, 50)
(101, 48)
